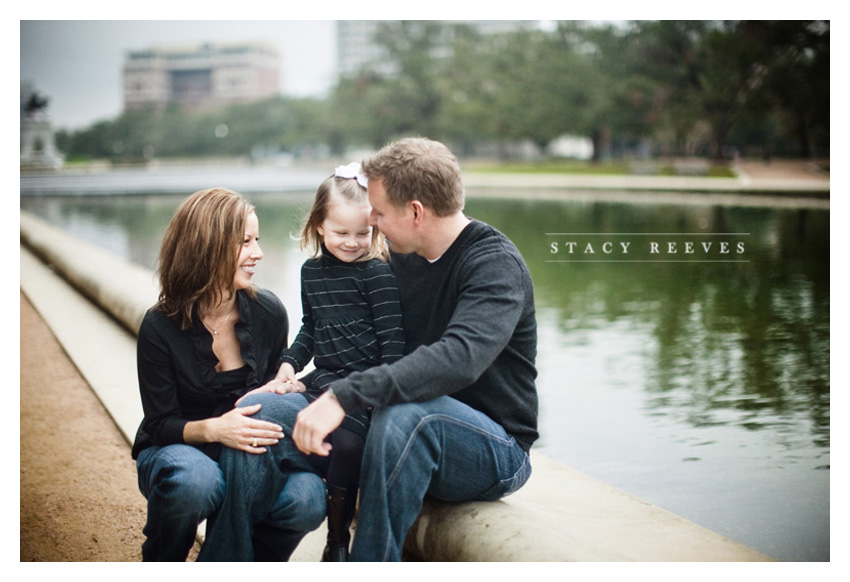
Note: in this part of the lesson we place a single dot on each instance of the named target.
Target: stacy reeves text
(646, 246)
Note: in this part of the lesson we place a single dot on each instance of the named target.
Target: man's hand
(316, 422)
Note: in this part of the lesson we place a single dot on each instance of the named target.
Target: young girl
(352, 321)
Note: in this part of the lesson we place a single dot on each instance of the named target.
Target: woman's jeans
(442, 448)
(184, 486)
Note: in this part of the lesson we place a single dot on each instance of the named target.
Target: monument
(38, 146)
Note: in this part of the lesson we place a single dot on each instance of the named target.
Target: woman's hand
(237, 430)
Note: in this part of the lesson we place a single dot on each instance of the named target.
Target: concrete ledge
(120, 288)
(560, 515)
(563, 515)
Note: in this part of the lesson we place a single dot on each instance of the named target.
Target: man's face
(396, 224)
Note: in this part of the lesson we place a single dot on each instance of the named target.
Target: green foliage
(659, 88)
(260, 128)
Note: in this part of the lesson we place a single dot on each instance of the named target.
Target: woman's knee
(185, 477)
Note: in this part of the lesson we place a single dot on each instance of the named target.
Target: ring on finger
(254, 442)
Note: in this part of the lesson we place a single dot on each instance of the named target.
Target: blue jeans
(254, 484)
(184, 486)
(442, 448)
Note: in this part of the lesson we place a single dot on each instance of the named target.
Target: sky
(77, 63)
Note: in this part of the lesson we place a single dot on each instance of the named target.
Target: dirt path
(79, 498)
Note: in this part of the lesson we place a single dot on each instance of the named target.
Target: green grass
(549, 167)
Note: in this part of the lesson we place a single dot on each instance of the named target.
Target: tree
(796, 77)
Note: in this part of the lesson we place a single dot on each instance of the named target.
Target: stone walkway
(79, 497)
(758, 170)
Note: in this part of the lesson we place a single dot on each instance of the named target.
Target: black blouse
(178, 382)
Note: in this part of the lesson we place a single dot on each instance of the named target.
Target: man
(456, 416)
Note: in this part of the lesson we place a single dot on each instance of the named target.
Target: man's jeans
(184, 486)
(442, 448)
(254, 483)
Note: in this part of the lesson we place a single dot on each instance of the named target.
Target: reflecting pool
(684, 348)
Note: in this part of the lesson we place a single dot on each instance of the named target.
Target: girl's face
(249, 255)
(346, 231)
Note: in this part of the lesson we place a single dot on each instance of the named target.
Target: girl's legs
(343, 478)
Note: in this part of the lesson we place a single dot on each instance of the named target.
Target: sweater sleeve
(158, 387)
(383, 296)
(489, 305)
(300, 352)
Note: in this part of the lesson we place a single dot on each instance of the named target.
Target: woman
(211, 338)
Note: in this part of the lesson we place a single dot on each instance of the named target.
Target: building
(201, 75)
(357, 46)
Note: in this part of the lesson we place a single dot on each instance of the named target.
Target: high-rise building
(206, 74)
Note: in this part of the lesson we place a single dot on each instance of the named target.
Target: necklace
(214, 330)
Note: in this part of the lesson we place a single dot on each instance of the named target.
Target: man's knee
(396, 429)
(398, 418)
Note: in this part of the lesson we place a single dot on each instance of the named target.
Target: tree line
(638, 88)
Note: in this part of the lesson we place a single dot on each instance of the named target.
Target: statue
(38, 147)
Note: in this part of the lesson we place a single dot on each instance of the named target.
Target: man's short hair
(418, 168)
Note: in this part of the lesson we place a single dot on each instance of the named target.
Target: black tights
(347, 453)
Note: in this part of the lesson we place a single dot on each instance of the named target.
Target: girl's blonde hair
(200, 251)
(333, 190)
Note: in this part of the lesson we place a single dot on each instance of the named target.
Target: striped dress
(352, 319)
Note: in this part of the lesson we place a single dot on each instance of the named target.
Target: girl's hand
(286, 373)
(277, 386)
(237, 430)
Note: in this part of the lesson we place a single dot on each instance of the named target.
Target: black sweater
(177, 377)
(470, 332)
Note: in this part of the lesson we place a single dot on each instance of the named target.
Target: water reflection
(700, 386)
(748, 338)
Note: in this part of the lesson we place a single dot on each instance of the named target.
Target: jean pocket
(510, 485)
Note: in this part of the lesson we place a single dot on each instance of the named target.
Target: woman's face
(249, 254)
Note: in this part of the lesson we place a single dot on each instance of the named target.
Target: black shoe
(335, 553)
(341, 506)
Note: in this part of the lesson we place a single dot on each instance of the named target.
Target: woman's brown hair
(199, 253)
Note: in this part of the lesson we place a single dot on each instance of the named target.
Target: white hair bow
(352, 170)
